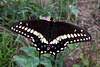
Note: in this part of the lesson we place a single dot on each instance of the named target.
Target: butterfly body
(50, 37)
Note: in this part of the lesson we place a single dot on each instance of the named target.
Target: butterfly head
(51, 19)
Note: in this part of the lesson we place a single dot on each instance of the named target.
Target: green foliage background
(12, 11)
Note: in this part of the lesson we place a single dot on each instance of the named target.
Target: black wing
(36, 30)
(60, 35)
(28, 27)
(70, 33)
(64, 33)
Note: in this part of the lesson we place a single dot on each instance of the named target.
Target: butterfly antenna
(39, 55)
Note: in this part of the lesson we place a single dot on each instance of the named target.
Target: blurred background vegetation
(16, 50)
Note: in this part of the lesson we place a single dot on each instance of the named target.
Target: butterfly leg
(54, 57)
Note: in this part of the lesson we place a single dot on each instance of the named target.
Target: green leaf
(18, 38)
(33, 62)
(71, 46)
(41, 17)
(1, 57)
(29, 51)
(66, 51)
(46, 62)
(86, 62)
(46, 55)
(0, 54)
(81, 55)
(76, 65)
(21, 60)
(26, 62)
(79, 45)
(60, 62)
(73, 10)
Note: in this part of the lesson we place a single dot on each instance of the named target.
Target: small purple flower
(48, 19)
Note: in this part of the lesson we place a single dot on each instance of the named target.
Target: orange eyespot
(48, 48)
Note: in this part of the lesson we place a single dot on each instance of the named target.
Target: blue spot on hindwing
(52, 46)
(55, 47)
(41, 46)
(49, 45)
(44, 45)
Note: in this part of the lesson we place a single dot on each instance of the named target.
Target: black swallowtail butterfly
(50, 37)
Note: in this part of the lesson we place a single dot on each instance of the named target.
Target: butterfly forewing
(29, 28)
(69, 32)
